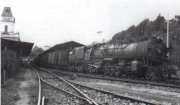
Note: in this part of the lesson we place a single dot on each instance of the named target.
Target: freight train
(145, 59)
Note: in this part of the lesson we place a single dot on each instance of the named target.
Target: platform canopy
(22, 49)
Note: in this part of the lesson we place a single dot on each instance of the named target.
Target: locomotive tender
(144, 59)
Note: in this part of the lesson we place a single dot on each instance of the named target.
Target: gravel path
(21, 90)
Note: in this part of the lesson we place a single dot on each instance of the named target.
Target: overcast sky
(48, 22)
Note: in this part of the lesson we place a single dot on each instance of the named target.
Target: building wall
(9, 25)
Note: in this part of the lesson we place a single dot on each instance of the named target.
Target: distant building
(7, 23)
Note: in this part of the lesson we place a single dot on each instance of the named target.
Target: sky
(50, 22)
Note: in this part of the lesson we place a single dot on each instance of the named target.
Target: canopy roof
(23, 49)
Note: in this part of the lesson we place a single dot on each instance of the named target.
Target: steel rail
(124, 80)
(91, 101)
(104, 91)
(39, 85)
(79, 91)
(41, 101)
(39, 94)
(69, 93)
(88, 99)
(117, 95)
(127, 97)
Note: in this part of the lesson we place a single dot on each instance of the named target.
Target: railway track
(155, 98)
(171, 83)
(39, 85)
(126, 100)
(102, 97)
(150, 93)
(56, 84)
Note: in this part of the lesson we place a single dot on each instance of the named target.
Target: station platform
(21, 89)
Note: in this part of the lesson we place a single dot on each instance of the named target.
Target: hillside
(147, 29)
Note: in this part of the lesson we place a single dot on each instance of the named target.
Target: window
(6, 29)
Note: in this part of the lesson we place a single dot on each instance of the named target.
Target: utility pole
(167, 45)
(167, 34)
(167, 38)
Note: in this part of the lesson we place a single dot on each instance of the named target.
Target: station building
(13, 50)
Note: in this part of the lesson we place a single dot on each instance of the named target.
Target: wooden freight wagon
(57, 56)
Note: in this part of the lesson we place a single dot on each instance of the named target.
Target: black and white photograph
(90, 52)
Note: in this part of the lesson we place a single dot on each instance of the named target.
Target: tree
(159, 24)
(36, 51)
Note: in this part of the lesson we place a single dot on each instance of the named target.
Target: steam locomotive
(145, 59)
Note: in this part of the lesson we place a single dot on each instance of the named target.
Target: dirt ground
(22, 89)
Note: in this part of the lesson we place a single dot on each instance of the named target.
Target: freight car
(57, 56)
(145, 59)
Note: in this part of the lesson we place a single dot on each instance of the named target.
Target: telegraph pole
(167, 38)
(168, 46)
